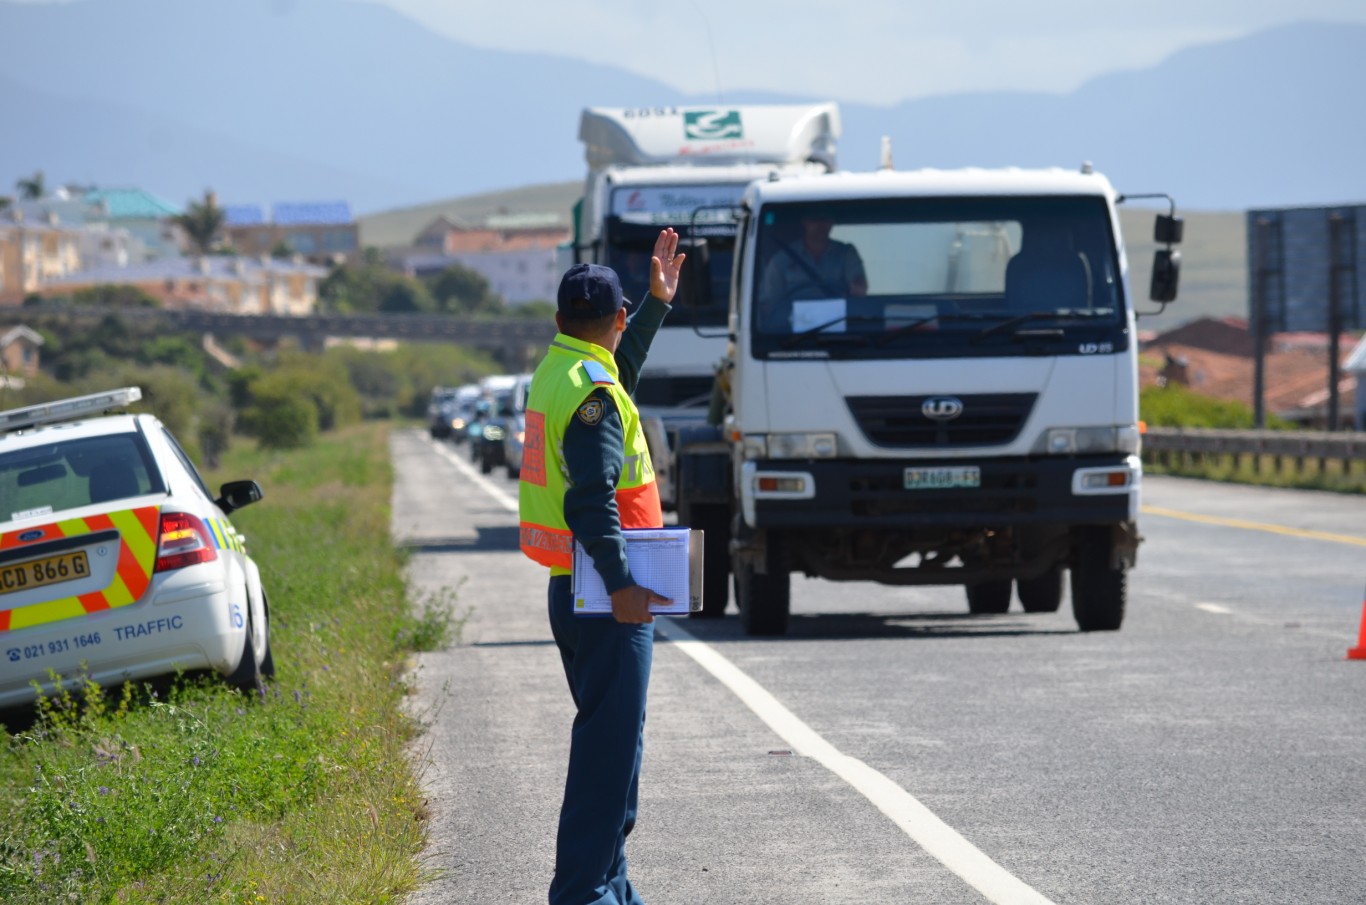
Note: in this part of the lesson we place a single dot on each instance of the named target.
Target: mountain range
(268, 101)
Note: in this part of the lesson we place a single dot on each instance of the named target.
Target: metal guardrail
(1177, 445)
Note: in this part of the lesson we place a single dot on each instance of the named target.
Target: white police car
(116, 562)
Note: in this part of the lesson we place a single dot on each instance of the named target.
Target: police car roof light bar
(67, 409)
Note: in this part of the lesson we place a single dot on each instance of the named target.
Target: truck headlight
(802, 446)
(494, 432)
(1069, 441)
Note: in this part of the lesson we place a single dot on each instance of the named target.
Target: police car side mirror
(236, 494)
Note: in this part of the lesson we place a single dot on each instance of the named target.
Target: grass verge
(1266, 471)
(190, 792)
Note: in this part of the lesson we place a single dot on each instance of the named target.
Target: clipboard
(668, 561)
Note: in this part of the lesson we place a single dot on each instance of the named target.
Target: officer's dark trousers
(608, 668)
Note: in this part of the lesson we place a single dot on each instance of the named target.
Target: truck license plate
(942, 478)
(39, 572)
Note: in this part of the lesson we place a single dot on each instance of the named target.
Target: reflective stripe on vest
(129, 578)
(560, 385)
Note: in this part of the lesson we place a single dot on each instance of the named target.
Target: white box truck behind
(685, 167)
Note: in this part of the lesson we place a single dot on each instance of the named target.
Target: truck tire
(764, 601)
(1099, 590)
(989, 598)
(715, 560)
(1042, 593)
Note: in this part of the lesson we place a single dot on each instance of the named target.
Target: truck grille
(897, 422)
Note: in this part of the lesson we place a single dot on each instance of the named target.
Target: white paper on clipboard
(668, 561)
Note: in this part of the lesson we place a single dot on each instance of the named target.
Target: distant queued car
(117, 563)
(440, 408)
(488, 448)
(516, 428)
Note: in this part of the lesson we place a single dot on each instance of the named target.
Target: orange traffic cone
(1359, 652)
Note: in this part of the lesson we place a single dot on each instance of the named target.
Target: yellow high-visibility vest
(571, 370)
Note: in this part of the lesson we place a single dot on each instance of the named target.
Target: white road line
(499, 495)
(1214, 608)
(936, 837)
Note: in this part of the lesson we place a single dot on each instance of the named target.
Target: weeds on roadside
(434, 625)
(191, 791)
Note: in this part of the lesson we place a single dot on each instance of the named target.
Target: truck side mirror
(694, 283)
(1168, 229)
(1166, 275)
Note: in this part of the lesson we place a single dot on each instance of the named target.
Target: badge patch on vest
(597, 373)
(590, 413)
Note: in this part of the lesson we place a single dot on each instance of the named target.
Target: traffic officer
(586, 475)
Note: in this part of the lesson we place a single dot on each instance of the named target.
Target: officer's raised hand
(665, 266)
(632, 604)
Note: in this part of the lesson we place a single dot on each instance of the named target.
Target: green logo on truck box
(712, 125)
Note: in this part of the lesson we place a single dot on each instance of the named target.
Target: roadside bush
(279, 417)
(1178, 406)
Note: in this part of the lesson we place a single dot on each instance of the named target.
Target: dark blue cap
(590, 291)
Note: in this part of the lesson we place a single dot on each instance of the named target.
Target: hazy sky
(876, 51)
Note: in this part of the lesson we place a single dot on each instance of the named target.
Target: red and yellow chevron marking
(137, 555)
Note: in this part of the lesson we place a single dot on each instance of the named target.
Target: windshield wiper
(1013, 322)
(797, 339)
(905, 328)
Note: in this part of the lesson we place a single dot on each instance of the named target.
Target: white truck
(933, 381)
(685, 167)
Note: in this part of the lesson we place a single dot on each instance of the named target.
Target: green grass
(1334, 475)
(190, 792)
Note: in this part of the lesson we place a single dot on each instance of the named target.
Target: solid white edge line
(484, 483)
(937, 838)
(918, 822)
(1214, 608)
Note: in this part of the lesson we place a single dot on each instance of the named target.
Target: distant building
(322, 232)
(149, 219)
(34, 253)
(233, 285)
(19, 351)
(514, 252)
(1215, 358)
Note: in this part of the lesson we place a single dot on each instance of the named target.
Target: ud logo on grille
(711, 125)
(941, 408)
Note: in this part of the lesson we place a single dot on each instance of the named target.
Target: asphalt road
(890, 749)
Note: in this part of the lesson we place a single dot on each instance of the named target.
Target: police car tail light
(183, 541)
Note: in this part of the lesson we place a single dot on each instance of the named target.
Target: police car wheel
(250, 669)
(988, 598)
(268, 661)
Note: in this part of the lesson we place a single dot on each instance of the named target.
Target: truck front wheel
(764, 600)
(714, 521)
(1099, 588)
(989, 597)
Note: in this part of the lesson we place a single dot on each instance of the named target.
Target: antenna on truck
(711, 45)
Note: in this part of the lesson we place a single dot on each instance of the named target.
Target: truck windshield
(937, 277)
(696, 213)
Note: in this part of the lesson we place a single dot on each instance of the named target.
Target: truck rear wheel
(764, 600)
(715, 559)
(1042, 593)
(1099, 590)
(989, 597)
